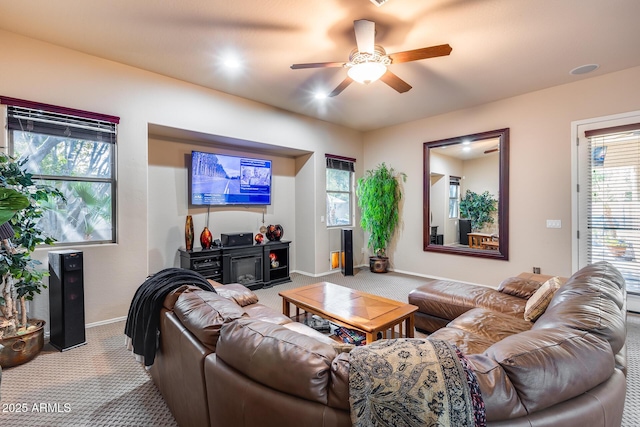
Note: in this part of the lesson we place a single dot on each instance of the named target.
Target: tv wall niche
(221, 179)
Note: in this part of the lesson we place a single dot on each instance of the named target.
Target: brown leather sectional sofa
(226, 360)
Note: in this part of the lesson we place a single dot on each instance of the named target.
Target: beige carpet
(100, 384)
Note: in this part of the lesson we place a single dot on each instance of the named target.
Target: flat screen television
(220, 180)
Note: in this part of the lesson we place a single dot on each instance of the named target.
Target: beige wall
(540, 173)
(148, 226)
(540, 166)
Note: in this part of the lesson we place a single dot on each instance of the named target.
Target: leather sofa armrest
(172, 297)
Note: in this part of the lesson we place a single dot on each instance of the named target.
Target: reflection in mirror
(466, 195)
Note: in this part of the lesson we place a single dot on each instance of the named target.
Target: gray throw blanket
(413, 382)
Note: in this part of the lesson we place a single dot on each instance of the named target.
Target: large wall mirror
(461, 175)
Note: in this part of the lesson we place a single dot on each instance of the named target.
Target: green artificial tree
(20, 278)
(379, 196)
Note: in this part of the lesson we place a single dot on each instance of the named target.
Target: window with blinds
(454, 196)
(612, 200)
(75, 152)
(339, 190)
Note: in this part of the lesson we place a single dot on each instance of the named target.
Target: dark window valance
(14, 102)
(610, 130)
(340, 163)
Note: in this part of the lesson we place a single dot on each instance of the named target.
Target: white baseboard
(326, 273)
(105, 322)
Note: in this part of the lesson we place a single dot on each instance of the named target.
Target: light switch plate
(554, 223)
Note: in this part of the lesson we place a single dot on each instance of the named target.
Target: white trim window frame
(77, 155)
(339, 192)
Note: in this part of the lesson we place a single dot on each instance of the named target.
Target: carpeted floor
(100, 383)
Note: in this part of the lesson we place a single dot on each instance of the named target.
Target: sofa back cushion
(536, 369)
(592, 300)
(278, 357)
(203, 313)
(519, 287)
(240, 294)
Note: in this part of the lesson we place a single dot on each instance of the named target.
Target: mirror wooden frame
(503, 202)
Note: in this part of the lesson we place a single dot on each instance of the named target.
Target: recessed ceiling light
(320, 95)
(231, 62)
(584, 69)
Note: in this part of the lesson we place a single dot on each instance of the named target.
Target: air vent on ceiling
(379, 2)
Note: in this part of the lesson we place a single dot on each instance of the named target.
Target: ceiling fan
(368, 62)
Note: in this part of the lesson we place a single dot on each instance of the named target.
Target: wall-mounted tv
(220, 179)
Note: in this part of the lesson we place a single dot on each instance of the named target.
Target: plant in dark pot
(379, 196)
(479, 208)
(20, 278)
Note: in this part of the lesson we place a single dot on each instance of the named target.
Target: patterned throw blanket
(413, 382)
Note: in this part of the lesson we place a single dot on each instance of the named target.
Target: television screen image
(219, 180)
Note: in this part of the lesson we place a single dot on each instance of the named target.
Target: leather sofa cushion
(266, 314)
(242, 295)
(339, 384)
(519, 287)
(490, 324)
(310, 332)
(277, 357)
(203, 313)
(448, 300)
(467, 342)
(544, 367)
(592, 300)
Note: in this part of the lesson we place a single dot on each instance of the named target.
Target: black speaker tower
(66, 299)
(347, 251)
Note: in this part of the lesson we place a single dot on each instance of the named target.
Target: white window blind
(612, 200)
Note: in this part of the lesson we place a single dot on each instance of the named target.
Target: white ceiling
(501, 48)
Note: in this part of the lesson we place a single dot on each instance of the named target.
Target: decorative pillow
(537, 304)
(242, 295)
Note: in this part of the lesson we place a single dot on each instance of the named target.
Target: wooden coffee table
(352, 309)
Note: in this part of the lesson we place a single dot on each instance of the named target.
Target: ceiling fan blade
(317, 65)
(492, 150)
(346, 82)
(395, 82)
(365, 35)
(417, 54)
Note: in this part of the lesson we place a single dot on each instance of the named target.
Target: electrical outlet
(554, 223)
(536, 270)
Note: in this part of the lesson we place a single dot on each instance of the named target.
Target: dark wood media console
(250, 265)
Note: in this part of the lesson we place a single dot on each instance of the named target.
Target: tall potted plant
(379, 196)
(478, 208)
(20, 279)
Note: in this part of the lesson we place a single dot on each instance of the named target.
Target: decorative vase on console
(274, 232)
(206, 238)
(188, 233)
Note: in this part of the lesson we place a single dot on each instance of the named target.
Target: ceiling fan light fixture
(365, 68)
(367, 72)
